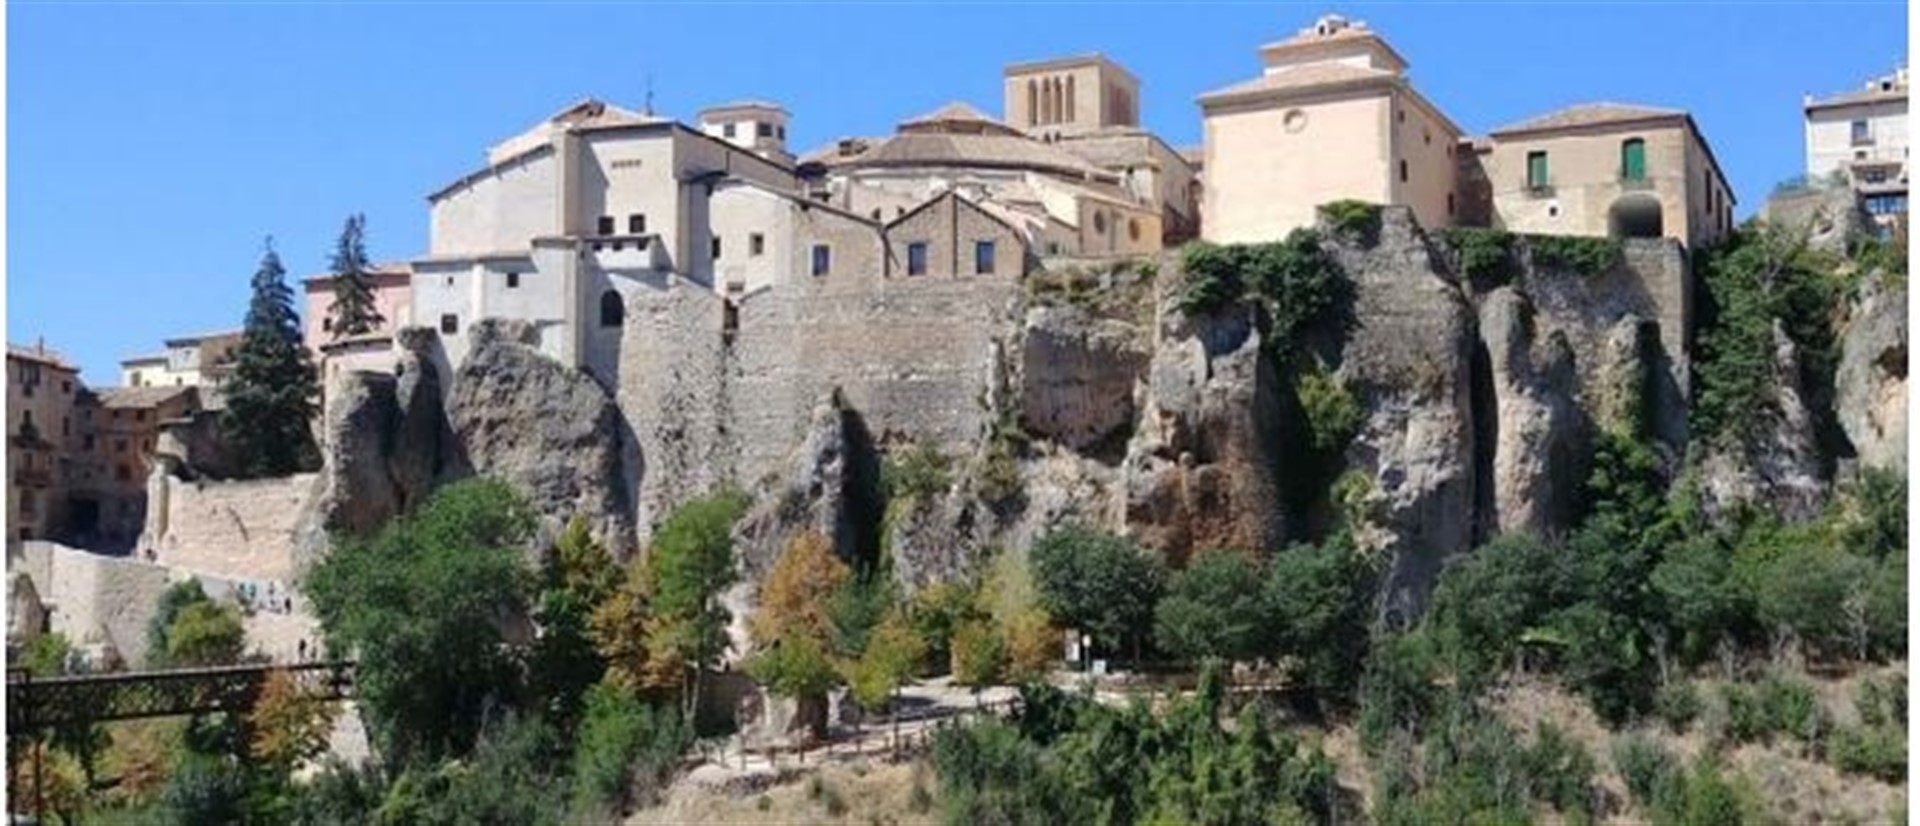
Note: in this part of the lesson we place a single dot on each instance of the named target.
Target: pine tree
(353, 311)
(271, 395)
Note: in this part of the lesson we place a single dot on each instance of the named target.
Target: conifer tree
(271, 397)
(353, 311)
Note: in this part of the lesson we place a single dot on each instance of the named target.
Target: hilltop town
(1344, 327)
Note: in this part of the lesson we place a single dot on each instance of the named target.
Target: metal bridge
(39, 703)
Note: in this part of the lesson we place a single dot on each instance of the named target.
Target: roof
(1332, 29)
(127, 398)
(798, 198)
(144, 358)
(40, 354)
(195, 338)
(741, 105)
(1066, 62)
(956, 114)
(387, 268)
(1300, 78)
(1855, 98)
(1581, 115)
(987, 151)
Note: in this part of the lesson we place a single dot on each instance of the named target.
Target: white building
(187, 361)
(571, 217)
(1862, 136)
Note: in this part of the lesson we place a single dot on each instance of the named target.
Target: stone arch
(613, 310)
(1637, 215)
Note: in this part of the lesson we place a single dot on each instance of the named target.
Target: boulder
(26, 617)
(1537, 439)
(550, 431)
(1871, 383)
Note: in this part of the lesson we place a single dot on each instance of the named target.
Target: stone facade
(238, 530)
(42, 432)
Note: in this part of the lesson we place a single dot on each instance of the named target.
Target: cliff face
(1871, 382)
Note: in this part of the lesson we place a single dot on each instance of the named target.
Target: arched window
(1067, 115)
(1633, 159)
(1033, 102)
(613, 311)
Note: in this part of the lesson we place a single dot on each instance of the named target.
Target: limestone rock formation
(26, 617)
(1408, 360)
(551, 432)
(1775, 466)
(814, 493)
(1078, 376)
(1536, 427)
(1871, 383)
(1200, 471)
(1830, 216)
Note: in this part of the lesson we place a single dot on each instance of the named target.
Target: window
(764, 130)
(983, 258)
(727, 130)
(326, 325)
(606, 225)
(716, 247)
(1633, 159)
(1133, 228)
(636, 224)
(1403, 171)
(1891, 204)
(756, 244)
(66, 386)
(917, 258)
(613, 311)
(449, 324)
(822, 259)
(780, 132)
(1449, 203)
(86, 442)
(66, 426)
(122, 472)
(1100, 223)
(1874, 176)
(139, 415)
(1536, 170)
(1862, 132)
(513, 281)
(135, 378)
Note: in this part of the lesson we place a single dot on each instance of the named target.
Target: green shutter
(1633, 159)
(1536, 169)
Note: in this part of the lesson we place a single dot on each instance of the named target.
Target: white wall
(503, 209)
(1830, 135)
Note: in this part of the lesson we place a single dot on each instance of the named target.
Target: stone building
(1603, 169)
(187, 361)
(1861, 137)
(119, 430)
(42, 389)
(1331, 117)
(567, 221)
(757, 126)
(1063, 203)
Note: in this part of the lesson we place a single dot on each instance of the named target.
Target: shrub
(1214, 608)
(1572, 253)
(1294, 280)
(1356, 222)
(47, 655)
(627, 748)
(1880, 702)
(1560, 769)
(1876, 751)
(172, 601)
(1484, 255)
(917, 474)
(1317, 608)
(1098, 583)
(1677, 704)
(206, 633)
(978, 655)
(1333, 416)
(1212, 278)
(1644, 766)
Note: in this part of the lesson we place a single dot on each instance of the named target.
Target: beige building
(1332, 117)
(1860, 137)
(42, 389)
(118, 432)
(187, 361)
(1061, 203)
(391, 284)
(1603, 169)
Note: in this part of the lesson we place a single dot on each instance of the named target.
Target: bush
(1755, 713)
(1644, 766)
(1098, 583)
(1317, 599)
(172, 601)
(1294, 280)
(1333, 416)
(1876, 751)
(978, 655)
(1356, 222)
(1677, 704)
(1880, 703)
(1572, 253)
(206, 633)
(1484, 255)
(917, 474)
(48, 654)
(1214, 608)
(627, 749)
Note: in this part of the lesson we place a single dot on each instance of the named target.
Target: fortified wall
(236, 529)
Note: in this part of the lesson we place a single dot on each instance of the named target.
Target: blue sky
(150, 148)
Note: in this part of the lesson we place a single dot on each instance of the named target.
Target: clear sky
(151, 148)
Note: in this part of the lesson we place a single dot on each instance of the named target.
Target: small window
(716, 247)
(86, 442)
(326, 325)
(983, 257)
(1100, 223)
(613, 310)
(122, 472)
(636, 224)
(875, 214)
(781, 131)
(449, 324)
(1449, 203)
(727, 130)
(606, 225)
(917, 258)
(139, 415)
(1133, 228)
(66, 386)
(1403, 171)
(764, 130)
(513, 281)
(756, 244)
(1862, 132)
(1536, 170)
(1633, 159)
(822, 259)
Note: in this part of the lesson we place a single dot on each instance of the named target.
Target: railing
(35, 703)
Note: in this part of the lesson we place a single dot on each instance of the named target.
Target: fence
(906, 735)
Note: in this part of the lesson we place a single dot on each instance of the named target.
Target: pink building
(391, 282)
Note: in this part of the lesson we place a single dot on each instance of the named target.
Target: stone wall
(239, 530)
(93, 599)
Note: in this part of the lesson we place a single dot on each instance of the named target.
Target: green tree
(271, 396)
(580, 577)
(978, 656)
(627, 748)
(47, 655)
(353, 310)
(691, 563)
(172, 601)
(421, 605)
(1317, 598)
(1098, 583)
(1214, 608)
(206, 633)
(935, 612)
